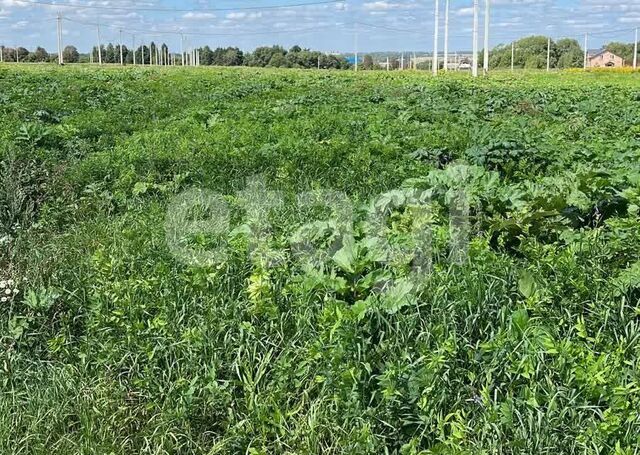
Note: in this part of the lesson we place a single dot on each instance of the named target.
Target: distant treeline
(531, 53)
(267, 56)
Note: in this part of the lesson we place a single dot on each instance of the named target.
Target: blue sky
(380, 24)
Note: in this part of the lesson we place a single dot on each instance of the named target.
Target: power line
(383, 27)
(148, 32)
(28, 20)
(177, 10)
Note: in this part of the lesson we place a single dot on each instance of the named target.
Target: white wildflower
(15, 292)
(7, 291)
(3, 299)
(3, 284)
(10, 283)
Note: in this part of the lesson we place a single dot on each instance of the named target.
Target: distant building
(604, 59)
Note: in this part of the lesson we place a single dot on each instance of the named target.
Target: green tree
(367, 62)
(531, 52)
(39, 55)
(570, 54)
(262, 56)
(96, 55)
(8, 54)
(110, 54)
(70, 54)
(23, 54)
(232, 57)
(278, 60)
(206, 56)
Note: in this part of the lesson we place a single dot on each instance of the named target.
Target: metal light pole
(182, 47)
(59, 30)
(355, 46)
(513, 53)
(485, 63)
(635, 51)
(435, 38)
(586, 40)
(474, 68)
(99, 46)
(121, 55)
(446, 35)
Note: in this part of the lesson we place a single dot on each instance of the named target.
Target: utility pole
(142, 53)
(446, 35)
(59, 25)
(586, 40)
(485, 62)
(99, 46)
(415, 63)
(474, 68)
(182, 47)
(388, 63)
(134, 49)
(356, 48)
(402, 61)
(635, 50)
(548, 54)
(1, 54)
(513, 52)
(121, 54)
(435, 38)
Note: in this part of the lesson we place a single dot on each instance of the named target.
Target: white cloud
(244, 15)
(383, 5)
(465, 12)
(198, 16)
(19, 25)
(629, 20)
(13, 4)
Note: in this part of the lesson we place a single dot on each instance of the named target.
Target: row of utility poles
(436, 28)
(476, 13)
(474, 65)
(190, 57)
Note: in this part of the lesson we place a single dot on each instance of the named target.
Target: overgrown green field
(112, 344)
